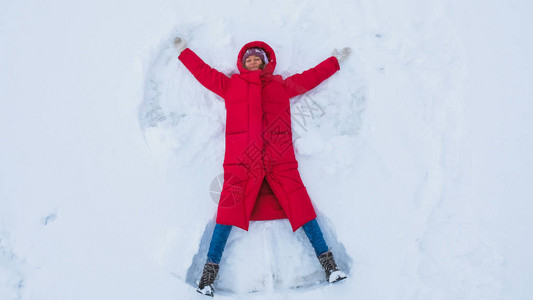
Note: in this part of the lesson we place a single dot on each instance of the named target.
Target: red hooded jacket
(261, 178)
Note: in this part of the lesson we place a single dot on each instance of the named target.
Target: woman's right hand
(342, 55)
(179, 44)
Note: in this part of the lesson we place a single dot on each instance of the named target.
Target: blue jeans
(221, 233)
(313, 232)
(218, 242)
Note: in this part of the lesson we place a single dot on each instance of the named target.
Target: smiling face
(253, 63)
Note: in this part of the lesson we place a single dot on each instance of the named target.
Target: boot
(208, 277)
(333, 274)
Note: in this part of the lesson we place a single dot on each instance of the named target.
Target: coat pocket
(236, 148)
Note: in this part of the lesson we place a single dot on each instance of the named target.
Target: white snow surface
(416, 154)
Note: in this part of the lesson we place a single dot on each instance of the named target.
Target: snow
(415, 154)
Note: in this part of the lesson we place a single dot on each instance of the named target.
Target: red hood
(269, 68)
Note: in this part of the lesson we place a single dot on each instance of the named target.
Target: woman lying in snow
(261, 178)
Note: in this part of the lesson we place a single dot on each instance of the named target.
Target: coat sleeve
(300, 83)
(212, 79)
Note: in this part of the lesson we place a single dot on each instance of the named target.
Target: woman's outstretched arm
(212, 79)
(300, 83)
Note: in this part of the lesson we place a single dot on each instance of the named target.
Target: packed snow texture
(415, 153)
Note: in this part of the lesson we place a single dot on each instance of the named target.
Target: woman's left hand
(341, 55)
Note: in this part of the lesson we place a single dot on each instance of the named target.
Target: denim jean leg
(313, 232)
(218, 242)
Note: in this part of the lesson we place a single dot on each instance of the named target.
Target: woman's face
(253, 63)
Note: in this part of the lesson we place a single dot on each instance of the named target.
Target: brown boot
(208, 277)
(333, 274)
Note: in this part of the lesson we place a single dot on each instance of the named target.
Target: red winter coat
(261, 178)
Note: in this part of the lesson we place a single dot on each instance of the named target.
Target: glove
(341, 55)
(179, 44)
